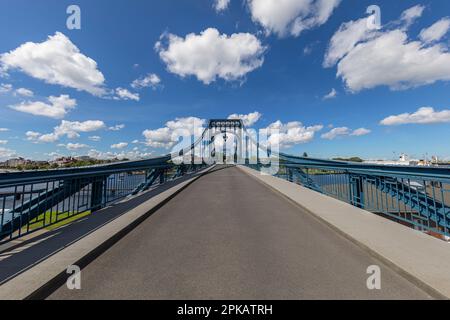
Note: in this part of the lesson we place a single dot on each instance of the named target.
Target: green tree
(352, 159)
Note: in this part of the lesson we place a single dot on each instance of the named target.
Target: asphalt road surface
(228, 236)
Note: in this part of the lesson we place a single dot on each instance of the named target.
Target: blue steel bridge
(221, 217)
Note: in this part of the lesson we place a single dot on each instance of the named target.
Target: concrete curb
(420, 258)
(41, 280)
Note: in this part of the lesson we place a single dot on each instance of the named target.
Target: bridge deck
(228, 236)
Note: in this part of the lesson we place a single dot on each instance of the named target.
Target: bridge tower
(225, 127)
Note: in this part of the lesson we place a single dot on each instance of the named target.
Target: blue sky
(253, 59)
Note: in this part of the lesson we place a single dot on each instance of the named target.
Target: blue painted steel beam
(22, 214)
(15, 178)
(149, 179)
(306, 180)
(428, 173)
(425, 205)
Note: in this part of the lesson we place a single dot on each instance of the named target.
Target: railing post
(98, 187)
(224, 149)
(235, 147)
(235, 158)
(357, 191)
(162, 176)
(290, 175)
(257, 149)
(247, 160)
(192, 149)
(147, 174)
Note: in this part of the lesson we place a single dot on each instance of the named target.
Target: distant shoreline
(8, 170)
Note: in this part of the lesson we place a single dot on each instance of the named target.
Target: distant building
(84, 158)
(16, 162)
(63, 161)
(403, 160)
(21, 163)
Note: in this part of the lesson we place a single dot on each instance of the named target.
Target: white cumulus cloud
(248, 119)
(24, 92)
(221, 5)
(117, 127)
(151, 80)
(291, 17)
(360, 132)
(345, 39)
(120, 145)
(344, 131)
(370, 58)
(170, 135)
(331, 95)
(70, 129)
(412, 14)
(32, 135)
(56, 61)
(5, 87)
(95, 138)
(57, 107)
(211, 55)
(436, 32)
(291, 133)
(74, 146)
(425, 115)
(124, 94)
(336, 132)
(132, 155)
(6, 153)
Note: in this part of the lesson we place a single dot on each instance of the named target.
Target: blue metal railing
(31, 201)
(418, 197)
